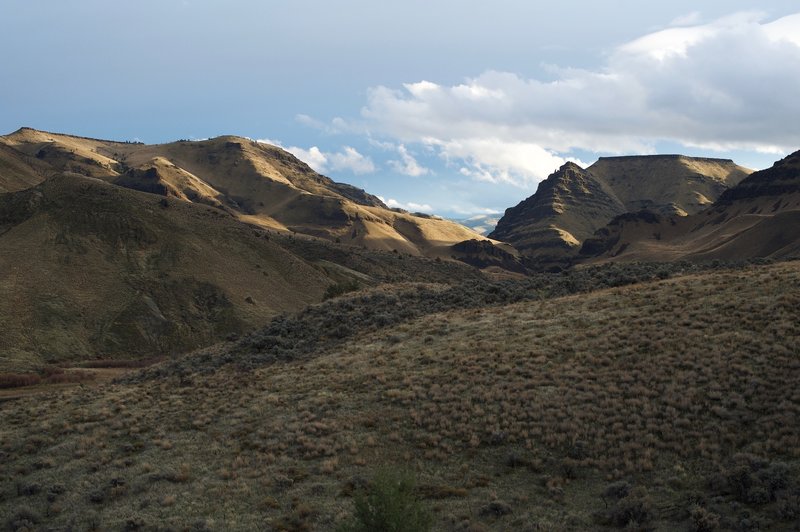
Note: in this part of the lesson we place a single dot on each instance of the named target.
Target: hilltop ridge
(255, 182)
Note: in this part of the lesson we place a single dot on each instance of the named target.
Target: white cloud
(350, 159)
(496, 160)
(347, 160)
(730, 84)
(336, 126)
(407, 164)
(410, 206)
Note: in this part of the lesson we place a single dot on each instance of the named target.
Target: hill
(581, 412)
(93, 270)
(759, 217)
(19, 171)
(672, 185)
(550, 226)
(258, 183)
(568, 206)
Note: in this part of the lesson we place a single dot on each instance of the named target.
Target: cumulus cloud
(730, 84)
(351, 160)
(410, 206)
(407, 164)
(347, 160)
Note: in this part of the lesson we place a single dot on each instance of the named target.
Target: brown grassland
(669, 405)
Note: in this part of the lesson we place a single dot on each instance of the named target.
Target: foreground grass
(665, 405)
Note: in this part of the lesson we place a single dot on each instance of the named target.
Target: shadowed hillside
(92, 270)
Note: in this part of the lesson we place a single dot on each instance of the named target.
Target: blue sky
(451, 107)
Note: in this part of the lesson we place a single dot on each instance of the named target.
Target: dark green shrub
(389, 504)
(338, 289)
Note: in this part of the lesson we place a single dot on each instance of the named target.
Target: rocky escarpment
(570, 205)
(781, 179)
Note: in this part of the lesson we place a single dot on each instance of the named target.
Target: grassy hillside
(667, 405)
(674, 185)
(92, 270)
(95, 271)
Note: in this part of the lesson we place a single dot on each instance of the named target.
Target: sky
(452, 107)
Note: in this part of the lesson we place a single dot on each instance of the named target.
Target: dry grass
(513, 417)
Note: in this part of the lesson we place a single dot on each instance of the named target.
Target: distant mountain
(257, 183)
(568, 206)
(482, 224)
(572, 203)
(759, 217)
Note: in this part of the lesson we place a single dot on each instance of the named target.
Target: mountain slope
(759, 217)
(95, 270)
(19, 171)
(258, 183)
(668, 184)
(573, 203)
(570, 205)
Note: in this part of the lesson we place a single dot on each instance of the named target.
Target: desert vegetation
(646, 397)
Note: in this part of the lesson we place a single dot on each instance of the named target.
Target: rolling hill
(92, 270)
(258, 183)
(665, 405)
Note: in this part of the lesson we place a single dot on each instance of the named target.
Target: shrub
(339, 289)
(632, 509)
(389, 504)
(703, 520)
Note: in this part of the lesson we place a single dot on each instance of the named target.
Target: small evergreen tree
(389, 504)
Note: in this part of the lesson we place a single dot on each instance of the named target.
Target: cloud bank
(730, 84)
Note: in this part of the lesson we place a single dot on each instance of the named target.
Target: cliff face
(782, 179)
(573, 203)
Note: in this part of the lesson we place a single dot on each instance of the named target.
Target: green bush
(341, 288)
(389, 504)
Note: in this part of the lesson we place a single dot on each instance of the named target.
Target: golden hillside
(668, 184)
(259, 183)
(668, 405)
